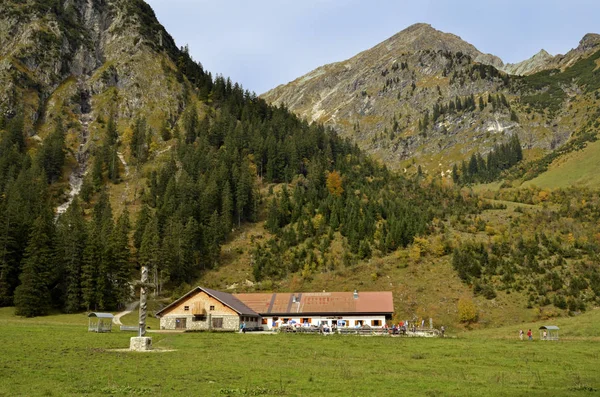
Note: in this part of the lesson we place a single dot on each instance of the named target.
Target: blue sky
(264, 43)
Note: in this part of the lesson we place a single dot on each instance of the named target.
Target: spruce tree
(71, 243)
(32, 297)
(149, 252)
(119, 240)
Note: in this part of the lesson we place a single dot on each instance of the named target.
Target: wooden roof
(319, 303)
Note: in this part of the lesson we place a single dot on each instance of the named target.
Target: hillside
(428, 98)
(119, 150)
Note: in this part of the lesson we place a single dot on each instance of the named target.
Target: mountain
(400, 100)
(118, 150)
(154, 162)
(52, 53)
(536, 63)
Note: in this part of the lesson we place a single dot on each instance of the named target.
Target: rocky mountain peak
(538, 62)
(422, 36)
(542, 54)
(589, 41)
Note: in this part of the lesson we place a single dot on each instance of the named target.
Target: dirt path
(128, 309)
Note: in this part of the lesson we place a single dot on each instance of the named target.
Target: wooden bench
(129, 328)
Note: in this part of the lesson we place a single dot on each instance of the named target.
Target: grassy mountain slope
(575, 169)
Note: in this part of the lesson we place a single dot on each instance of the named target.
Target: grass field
(575, 169)
(56, 356)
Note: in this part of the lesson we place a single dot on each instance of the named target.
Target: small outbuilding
(549, 332)
(100, 322)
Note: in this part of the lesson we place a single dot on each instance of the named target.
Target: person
(443, 331)
(530, 334)
(544, 335)
(521, 333)
(243, 327)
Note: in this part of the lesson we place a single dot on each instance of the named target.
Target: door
(217, 323)
(181, 323)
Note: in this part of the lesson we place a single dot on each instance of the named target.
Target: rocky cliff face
(85, 61)
(425, 97)
(114, 50)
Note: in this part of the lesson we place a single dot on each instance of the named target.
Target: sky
(264, 43)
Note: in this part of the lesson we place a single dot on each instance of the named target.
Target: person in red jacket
(530, 335)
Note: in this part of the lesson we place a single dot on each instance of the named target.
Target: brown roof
(319, 302)
(223, 297)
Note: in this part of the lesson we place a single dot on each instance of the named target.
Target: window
(265, 321)
(358, 322)
(376, 323)
(212, 308)
(198, 318)
(305, 320)
(186, 308)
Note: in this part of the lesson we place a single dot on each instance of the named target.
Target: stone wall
(229, 322)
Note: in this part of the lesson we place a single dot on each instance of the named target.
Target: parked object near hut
(100, 322)
(549, 332)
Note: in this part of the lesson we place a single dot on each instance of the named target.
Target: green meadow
(56, 356)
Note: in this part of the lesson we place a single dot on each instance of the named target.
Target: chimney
(355, 294)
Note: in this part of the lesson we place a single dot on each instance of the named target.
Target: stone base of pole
(140, 343)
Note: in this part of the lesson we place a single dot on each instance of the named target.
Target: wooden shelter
(549, 332)
(100, 322)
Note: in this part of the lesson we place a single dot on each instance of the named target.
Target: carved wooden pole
(143, 303)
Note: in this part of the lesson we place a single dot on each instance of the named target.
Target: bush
(467, 312)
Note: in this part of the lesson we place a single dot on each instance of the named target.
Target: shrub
(467, 312)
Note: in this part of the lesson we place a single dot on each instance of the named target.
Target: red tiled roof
(318, 302)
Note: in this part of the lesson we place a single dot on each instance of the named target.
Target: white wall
(351, 321)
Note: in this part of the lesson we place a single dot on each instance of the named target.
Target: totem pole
(142, 342)
(143, 297)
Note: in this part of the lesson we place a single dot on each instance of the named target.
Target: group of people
(529, 334)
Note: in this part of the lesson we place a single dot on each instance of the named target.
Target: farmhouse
(342, 309)
(206, 309)
(203, 308)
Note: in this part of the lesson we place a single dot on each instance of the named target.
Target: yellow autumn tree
(334, 183)
(467, 312)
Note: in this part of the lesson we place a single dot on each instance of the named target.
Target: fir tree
(71, 243)
(32, 297)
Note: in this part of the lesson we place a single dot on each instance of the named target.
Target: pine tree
(149, 253)
(97, 178)
(106, 270)
(71, 243)
(455, 175)
(121, 255)
(32, 297)
(140, 226)
(92, 256)
(226, 208)
(51, 156)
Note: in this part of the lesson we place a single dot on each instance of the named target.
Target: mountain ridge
(382, 97)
